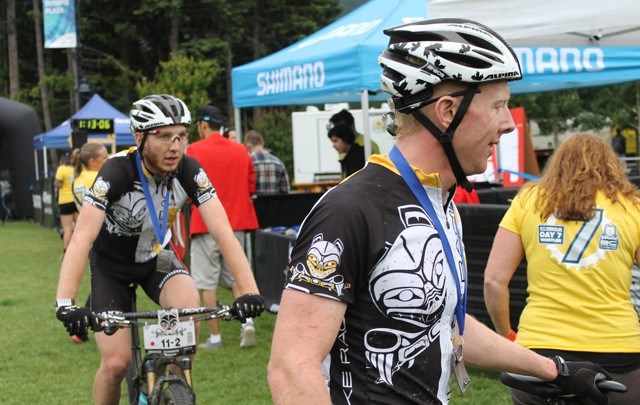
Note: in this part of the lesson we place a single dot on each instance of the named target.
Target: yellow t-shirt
(64, 174)
(375, 150)
(579, 277)
(81, 184)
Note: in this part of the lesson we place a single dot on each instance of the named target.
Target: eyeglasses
(167, 137)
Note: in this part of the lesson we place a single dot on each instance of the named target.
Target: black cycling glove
(248, 306)
(77, 319)
(579, 378)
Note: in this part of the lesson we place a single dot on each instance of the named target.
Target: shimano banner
(560, 68)
(339, 61)
(59, 23)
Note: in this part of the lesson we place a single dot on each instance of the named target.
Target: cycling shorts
(67, 209)
(111, 279)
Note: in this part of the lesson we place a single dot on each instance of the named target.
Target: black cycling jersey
(128, 234)
(370, 244)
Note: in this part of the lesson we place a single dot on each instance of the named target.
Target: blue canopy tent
(96, 107)
(335, 64)
(339, 63)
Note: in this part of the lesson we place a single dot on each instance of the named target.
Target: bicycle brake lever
(110, 329)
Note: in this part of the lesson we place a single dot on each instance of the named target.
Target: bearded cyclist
(124, 229)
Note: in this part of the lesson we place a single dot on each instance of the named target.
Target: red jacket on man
(229, 167)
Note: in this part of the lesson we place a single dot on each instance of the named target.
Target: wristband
(65, 302)
(511, 336)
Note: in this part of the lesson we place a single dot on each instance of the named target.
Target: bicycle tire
(133, 386)
(176, 393)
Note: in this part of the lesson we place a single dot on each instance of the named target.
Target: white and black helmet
(158, 110)
(422, 54)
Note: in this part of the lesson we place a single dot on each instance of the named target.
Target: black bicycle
(163, 374)
(551, 393)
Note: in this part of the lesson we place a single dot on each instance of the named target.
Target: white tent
(561, 44)
(551, 22)
(561, 40)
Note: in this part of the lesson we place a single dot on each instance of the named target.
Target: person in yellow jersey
(91, 158)
(88, 162)
(66, 208)
(578, 227)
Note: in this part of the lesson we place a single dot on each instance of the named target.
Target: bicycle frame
(158, 368)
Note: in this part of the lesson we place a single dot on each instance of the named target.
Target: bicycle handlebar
(111, 321)
(545, 389)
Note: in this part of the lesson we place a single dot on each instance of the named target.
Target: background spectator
(271, 175)
(352, 155)
(230, 133)
(346, 118)
(229, 168)
(66, 207)
(579, 229)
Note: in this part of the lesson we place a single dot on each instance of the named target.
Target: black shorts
(67, 209)
(111, 279)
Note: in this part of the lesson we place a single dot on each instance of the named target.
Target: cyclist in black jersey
(127, 215)
(373, 309)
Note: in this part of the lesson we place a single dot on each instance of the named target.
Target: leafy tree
(183, 77)
(585, 109)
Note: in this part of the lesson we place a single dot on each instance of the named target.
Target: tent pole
(238, 122)
(364, 102)
(35, 159)
(44, 154)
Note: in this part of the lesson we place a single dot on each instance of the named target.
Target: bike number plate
(180, 337)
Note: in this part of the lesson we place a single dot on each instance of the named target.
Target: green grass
(43, 365)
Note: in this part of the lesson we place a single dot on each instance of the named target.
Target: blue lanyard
(418, 190)
(160, 232)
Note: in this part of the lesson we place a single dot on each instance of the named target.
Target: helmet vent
(479, 42)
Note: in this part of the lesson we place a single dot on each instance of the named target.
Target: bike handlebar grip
(607, 386)
(536, 386)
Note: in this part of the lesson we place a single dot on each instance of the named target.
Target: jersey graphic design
(609, 239)
(127, 216)
(323, 258)
(576, 257)
(99, 190)
(204, 186)
(407, 285)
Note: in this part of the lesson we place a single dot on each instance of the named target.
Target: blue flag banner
(59, 23)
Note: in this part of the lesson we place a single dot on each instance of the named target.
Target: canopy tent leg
(44, 155)
(364, 101)
(238, 122)
(35, 159)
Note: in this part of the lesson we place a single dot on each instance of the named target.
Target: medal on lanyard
(418, 190)
(165, 257)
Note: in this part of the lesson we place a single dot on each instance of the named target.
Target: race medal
(163, 263)
(459, 370)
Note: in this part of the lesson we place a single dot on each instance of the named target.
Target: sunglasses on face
(166, 137)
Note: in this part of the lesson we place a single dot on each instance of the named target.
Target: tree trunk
(257, 46)
(12, 42)
(73, 70)
(41, 71)
(230, 106)
(174, 47)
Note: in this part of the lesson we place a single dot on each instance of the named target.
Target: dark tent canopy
(18, 125)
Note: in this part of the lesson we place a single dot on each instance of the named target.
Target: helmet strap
(144, 140)
(446, 138)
